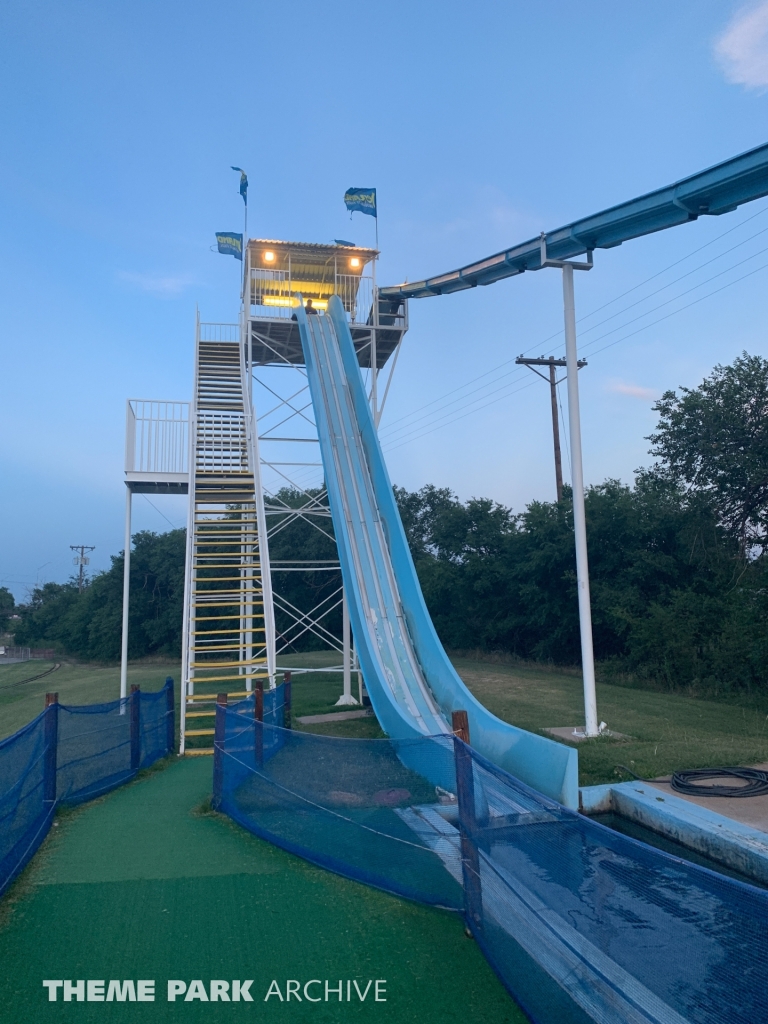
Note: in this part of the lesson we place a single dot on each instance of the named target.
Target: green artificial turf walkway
(144, 884)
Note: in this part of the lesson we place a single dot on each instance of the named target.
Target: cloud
(156, 284)
(742, 49)
(633, 390)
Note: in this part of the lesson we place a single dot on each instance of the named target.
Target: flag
(243, 184)
(361, 199)
(230, 243)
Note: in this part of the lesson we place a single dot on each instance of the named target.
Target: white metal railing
(273, 294)
(156, 436)
(219, 332)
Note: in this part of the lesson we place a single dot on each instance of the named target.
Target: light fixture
(354, 262)
(269, 257)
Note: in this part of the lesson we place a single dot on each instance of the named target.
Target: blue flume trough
(412, 684)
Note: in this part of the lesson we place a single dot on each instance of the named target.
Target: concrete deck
(334, 716)
(752, 810)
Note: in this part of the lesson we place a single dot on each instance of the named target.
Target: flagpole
(245, 246)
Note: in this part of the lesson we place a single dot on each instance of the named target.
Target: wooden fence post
(219, 735)
(287, 699)
(258, 716)
(51, 736)
(465, 794)
(135, 708)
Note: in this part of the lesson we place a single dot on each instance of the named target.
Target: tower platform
(278, 272)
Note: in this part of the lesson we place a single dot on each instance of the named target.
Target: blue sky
(480, 125)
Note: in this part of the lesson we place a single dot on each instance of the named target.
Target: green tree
(714, 440)
(7, 607)
(89, 625)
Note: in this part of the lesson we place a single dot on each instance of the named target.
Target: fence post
(258, 715)
(287, 700)
(170, 716)
(51, 737)
(219, 734)
(465, 794)
(135, 706)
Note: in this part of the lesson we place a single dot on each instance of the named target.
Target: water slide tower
(245, 451)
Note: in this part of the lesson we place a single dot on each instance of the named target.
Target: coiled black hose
(686, 782)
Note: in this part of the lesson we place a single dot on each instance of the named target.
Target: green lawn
(20, 701)
(668, 731)
(316, 693)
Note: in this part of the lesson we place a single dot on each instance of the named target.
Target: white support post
(579, 516)
(374, 379)
(126, 598)
(346, 697)
(356, 665)
(374, 340)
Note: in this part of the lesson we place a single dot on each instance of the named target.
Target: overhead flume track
(720, 189)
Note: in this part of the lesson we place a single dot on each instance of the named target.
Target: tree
(714, 439)
(89, 624)
(7, 607)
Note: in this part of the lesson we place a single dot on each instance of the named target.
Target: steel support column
(126, 597)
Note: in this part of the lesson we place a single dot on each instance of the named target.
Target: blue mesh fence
(71, 754)
(581, 923)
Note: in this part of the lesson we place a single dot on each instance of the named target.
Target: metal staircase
(228, 619)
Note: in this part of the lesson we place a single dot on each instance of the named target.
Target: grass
(316, 693)
(668, 731)
(75, 683)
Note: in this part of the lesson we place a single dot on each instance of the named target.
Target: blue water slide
(411, 682)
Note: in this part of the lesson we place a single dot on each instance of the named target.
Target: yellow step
(199, 732)
(200, 752)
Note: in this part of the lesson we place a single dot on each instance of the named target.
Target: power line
(675, 311)
(165, 517)
(414, 437)
(586, 316)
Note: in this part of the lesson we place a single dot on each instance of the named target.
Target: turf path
(143, 884)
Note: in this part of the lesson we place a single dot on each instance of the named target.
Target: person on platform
(309, 308)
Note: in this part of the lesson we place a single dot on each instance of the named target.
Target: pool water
(646, 835)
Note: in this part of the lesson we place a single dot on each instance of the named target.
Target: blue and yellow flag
(230, 243)
(361, 199)
(243, 183)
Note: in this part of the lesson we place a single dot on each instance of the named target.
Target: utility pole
(82, 560)
(551, 362)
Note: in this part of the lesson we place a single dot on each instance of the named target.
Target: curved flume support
(411, 682)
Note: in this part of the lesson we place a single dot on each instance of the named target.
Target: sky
(479, 124)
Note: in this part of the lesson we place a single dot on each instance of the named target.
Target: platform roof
(308, 260)
(717, 190)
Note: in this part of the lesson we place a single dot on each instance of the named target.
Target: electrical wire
(557, 334)
(594, 341)
(165, 517)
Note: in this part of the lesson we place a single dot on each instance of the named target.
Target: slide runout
(412, 683)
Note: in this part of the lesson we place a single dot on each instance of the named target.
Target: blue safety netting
(581, 923)
(71, 754)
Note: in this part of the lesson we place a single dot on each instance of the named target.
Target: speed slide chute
(412, 685)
